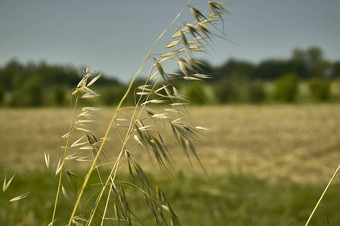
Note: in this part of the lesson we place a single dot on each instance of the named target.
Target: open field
(267, 165)
(299, 143)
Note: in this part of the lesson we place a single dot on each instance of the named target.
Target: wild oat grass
(98, 196)
(93, 202)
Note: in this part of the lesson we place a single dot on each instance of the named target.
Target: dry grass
(295, 143)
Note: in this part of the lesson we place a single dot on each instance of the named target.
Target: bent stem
(114, 118)
(323, 194)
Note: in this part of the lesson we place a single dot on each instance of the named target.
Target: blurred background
(273, 48)
(271, 103)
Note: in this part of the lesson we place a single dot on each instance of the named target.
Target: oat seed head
(158, 103)
(6, 183)
(19, 197)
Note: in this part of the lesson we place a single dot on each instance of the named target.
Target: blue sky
(114, 36)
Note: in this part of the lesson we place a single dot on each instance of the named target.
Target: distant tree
(321, 69)
(2, 93)
(320, 89)
(270, 69)
(286, 87)
(313, 54)
(256, 92)
(298, 55)
(33, 91)
(311, 63)
(12, 75)
(297, 63)
(59, 95)
(336, 69)
(26, 84)
(234, 68)
(111, 95)
(227, 91)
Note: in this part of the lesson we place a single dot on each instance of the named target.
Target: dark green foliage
(227, 91)
(40, 84)
(320, 89)
(243, 90)
(59, 96)
(2, 93)
(336, 70)
(33, 91)
(256, 92)
(270, 69)
(112, 95)
(235, 68)
(231, 82)
(286, 87)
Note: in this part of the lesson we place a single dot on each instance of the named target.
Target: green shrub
(195, 93)
(34, 93)
(227, 91)
(59, 96)
(319, 89)
(2, 93)
(286, 87)
(256, 92)
(20, 98)
(112, 95)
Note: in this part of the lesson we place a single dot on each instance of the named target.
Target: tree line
(306, 76)
(306, 64)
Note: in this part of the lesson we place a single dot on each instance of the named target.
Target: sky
(114, 36)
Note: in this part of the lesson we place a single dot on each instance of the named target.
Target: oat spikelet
(202, 128)
(160, 69)
(19, 197)
(65, 193)
(6, 184)
(173, 44)
(184, 66)
(67, 135)
(204, 29)
(183, 38)
(47, 159)
(59, 166)
(77, 143)
(94, 80)
(217, 7)
(197, 14)
(82, 86)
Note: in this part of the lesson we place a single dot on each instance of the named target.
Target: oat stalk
(112, 121)
(322, 195)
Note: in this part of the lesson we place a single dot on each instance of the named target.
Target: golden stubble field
(299, 143)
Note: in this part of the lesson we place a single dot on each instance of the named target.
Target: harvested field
(298, 143)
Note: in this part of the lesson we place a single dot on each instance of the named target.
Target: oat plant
(98, 196)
